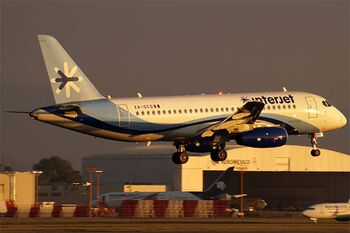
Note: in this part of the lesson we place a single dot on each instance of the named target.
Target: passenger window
(185, 111)
(268, 107)
(294, 106)
(195, 110)
(180, 111)
(174, 111)
(169, 111)
(217, 109)
(279, 107)
(233, 109)
(137, 113)
(147, 112)
(288, 106)
(142, 113)
(206, 110)
(190, 110)
(158, 112)
(222, 109)
(284, 106)
(226, 109)
(164, 112)
(273, 107)
(153, 112)
(201, 110)
(212, 110)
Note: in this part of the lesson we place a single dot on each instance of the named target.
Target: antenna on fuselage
(139, 94)
(284, 89)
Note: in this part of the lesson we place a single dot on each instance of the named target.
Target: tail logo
(221, 185)
(66, 79)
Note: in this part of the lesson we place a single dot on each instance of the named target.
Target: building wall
(122, 169)
(282, 159)
(18, 186)
(284, 190)
(153, 165)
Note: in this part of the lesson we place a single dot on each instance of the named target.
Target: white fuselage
(328, 210)
(185, 117)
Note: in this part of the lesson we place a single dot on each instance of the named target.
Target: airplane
(338, 211)
(197, 123)
(216, 191)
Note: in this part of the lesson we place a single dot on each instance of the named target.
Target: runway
(237, 225)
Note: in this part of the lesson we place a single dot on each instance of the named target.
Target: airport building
(18, 187)
(286, 177)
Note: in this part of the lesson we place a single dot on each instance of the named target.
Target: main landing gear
(315, 152)
(180, 156)
(218, 154)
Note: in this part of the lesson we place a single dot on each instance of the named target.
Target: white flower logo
(67, 80)
(221, 185)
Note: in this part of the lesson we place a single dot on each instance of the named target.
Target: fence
(173, 208)
(128, 209)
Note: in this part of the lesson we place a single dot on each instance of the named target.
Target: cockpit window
(310, 208)
(326, 103)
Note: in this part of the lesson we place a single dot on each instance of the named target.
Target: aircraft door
(124, 115)
(311, 107)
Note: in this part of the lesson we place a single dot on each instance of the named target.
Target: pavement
(205, 225)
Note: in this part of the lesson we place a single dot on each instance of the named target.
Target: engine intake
(263, 137)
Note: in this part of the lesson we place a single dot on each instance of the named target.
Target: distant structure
(18, 187)
(285, 177)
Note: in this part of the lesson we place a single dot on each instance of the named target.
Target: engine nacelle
(263, 137)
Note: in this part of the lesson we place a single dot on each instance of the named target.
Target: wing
(241, 120)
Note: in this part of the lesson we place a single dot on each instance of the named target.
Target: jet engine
(263, 137)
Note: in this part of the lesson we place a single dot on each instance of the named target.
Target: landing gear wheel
(218, 155)
(315, 152)
(180, 157)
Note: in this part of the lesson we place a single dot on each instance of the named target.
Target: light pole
(91, 169)
(241, 170)
(36, 180)
(98, 174)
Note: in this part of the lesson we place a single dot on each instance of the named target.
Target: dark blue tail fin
(220, 186)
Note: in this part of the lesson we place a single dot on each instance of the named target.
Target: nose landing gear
(315, 152)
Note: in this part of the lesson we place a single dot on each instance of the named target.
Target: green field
(172, 225)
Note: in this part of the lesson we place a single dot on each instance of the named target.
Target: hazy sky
(167, 48)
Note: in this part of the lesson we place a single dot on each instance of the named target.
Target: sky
(167, 48)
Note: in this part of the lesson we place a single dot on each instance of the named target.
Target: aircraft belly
(185, 133)
(94, 131)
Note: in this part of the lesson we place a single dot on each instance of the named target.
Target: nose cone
(306, 213)
(342, 120)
